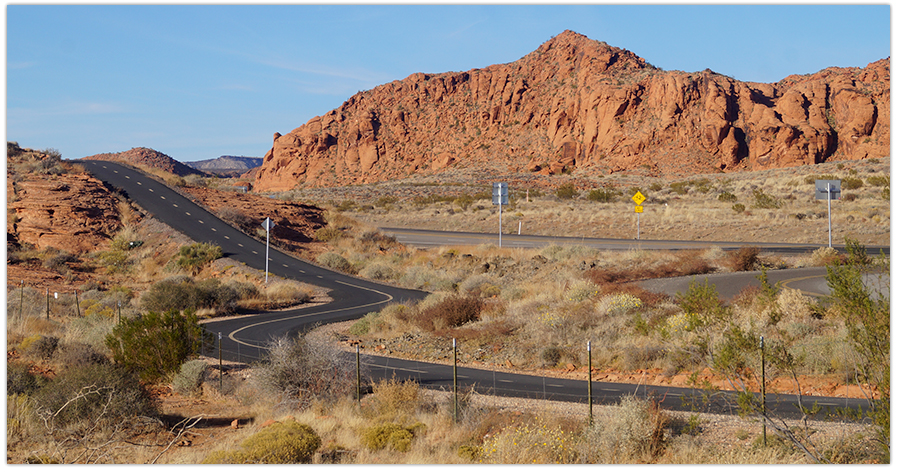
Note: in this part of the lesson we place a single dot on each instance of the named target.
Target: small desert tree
(867, 315)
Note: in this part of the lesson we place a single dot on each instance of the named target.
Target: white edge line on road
(231, 335)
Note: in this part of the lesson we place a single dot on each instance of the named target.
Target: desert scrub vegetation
(297, 372)
(156, 344)
(286, 442)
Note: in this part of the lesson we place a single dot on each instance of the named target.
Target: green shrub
(365, 324)
(189, 377)
(765, 201)
(335, 261)
(851, 183)
(184, 293)
(464, 201)
(702, 300)
(879, 180)
(385, 201)
(680, 188)
(727, 197)
(566, 191)
(155, 345)
(738, 207)
(193, 257)
(603, 195)
(392, 435)
(288, 442)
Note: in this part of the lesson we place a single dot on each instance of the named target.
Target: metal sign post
(638, 198)
(268, 225)
(500, 196)
(828, 190)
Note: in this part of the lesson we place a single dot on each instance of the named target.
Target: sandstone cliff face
(72, 212)
(575, 103)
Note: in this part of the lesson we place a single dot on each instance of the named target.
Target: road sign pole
(500, 232)
(639, 226)
(267, 252)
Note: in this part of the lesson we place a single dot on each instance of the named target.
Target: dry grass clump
(636, 434)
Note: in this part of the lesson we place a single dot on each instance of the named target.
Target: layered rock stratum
(580, 105)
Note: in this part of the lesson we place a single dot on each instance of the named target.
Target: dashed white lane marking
(201, 221)
(139, 183)
(213, 229)
(127, 177)
(254, 252)
(187, 213)
(226, 237)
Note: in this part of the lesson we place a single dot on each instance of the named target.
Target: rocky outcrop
(576, 103)
(71, 212)
(295, 223)
(146, 157)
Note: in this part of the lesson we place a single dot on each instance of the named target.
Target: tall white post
(267, 252)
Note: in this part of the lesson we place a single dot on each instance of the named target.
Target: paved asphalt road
(244, 339)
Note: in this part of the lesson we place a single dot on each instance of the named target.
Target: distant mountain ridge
(231, 165)
(580, 105)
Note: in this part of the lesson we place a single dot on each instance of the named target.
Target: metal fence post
(221, 372)
(358, 382)
(762, 350)
(590, 388)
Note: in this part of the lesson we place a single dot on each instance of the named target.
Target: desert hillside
(580, 105)
(150, 158)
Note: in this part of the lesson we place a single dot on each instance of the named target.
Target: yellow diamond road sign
(638, 198)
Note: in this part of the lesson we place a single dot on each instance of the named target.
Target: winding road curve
(244, 339)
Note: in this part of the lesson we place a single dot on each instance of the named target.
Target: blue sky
(198, 82)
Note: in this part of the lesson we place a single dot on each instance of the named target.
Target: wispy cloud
(20, 65)
(72, 108)
(359, 75)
